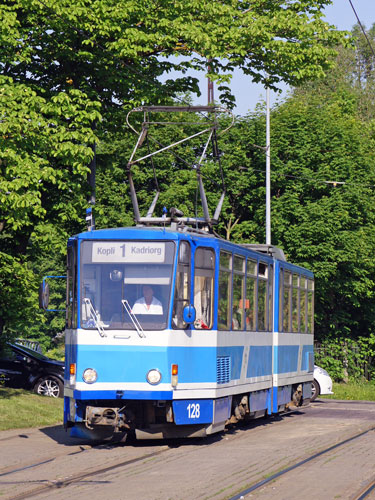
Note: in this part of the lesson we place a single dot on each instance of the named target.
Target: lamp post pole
(268, 169)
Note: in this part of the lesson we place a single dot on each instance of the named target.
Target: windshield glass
(122, 276)
(31, 352)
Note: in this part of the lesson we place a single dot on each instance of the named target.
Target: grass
(22, 409)
(353, 391)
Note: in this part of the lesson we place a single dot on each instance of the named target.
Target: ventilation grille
(223, 369)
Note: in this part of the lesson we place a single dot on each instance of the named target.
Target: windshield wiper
(94, 316)
(133, 318)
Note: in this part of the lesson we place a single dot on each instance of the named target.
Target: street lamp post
(268, 169)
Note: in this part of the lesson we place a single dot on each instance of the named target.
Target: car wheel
(49, 386)
(315, 390)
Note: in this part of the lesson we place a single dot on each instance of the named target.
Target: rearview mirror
(44, 295)
(189, 314)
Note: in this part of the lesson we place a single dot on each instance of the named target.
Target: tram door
(204, 272)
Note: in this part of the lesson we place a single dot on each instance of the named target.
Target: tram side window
(262, 297)
(225, 274)
(238, 313)
(182, 287)
(270, 299)
(295, 303)
(251, 295)
(303, 304)
(287, 302)
(310, 306)
(204, 271)
(281, 282)
(71, 289)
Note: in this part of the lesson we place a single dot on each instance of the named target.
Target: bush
(347, 359)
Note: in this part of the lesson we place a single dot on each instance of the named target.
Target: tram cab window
(204, 272)
(225, 277)
(182, 286)
(118, 288)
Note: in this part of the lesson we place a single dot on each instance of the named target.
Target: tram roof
(168, 233)
(141, 232)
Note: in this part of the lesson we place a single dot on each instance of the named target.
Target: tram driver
(148, 304)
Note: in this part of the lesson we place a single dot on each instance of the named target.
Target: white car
(322, 383)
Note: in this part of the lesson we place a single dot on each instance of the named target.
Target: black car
(25, 368)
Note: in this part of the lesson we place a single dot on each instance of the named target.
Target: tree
(70, 68)
(44, 153)
(323, 209)
(323, 180)
(353, 73)
(110, 50)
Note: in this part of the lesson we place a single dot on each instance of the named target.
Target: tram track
(369, 488)
(362, 495)
(57, 473)
(5, 471)
(76, 478)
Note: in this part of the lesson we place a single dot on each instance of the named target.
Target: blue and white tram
(231, 336)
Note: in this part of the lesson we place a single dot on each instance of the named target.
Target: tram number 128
(194, 410)
(190, 411)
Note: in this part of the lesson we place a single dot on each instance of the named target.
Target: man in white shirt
(147, 304)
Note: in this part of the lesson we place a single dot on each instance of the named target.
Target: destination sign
(118, 251)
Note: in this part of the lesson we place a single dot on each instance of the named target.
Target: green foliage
(322, 177)
(43, 156)
(346, 359)
(57, 353)
(71, 68)
(322, 211)
(111, 50)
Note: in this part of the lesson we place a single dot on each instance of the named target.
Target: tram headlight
(153, 377)
(90, 375)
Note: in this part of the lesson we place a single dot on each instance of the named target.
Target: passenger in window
(148, 304)
(201, 325)
(237, 320)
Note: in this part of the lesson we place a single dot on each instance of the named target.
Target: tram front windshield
(125, 284)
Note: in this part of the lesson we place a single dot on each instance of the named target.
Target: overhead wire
(362, 28)
(310, 179)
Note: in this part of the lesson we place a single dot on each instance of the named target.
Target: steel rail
(58, 484)
(255, 486)
(366, 491)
